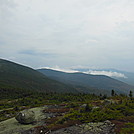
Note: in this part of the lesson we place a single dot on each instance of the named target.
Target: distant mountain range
(15, 76)
(89, 83)
(127, 77)
(17, 79)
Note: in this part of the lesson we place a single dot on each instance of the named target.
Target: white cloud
(107, 73)
(57, 68)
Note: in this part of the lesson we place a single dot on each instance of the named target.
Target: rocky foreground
(89, 128)
(24, 123)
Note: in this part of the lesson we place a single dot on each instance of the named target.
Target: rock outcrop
(110, 101)
(89, 128)
(25, 117)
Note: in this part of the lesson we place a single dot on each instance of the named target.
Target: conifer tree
(112, 92)
(130, 94)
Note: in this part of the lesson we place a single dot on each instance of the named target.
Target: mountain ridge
(13, 75)
(100, 82)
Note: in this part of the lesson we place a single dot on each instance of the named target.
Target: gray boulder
(108, 102)
(25, 117)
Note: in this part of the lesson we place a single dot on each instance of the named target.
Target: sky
(68, 33)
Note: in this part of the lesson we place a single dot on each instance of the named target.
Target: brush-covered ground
(65, 110)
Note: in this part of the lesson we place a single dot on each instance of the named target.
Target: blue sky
(68, 33)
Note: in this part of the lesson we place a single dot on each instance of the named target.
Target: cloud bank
(107, 73)
(92, 72)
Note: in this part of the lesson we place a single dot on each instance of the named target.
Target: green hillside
(15, 76)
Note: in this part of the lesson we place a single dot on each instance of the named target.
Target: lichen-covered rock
(99, 128)
(25, 117)
(83, 105)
